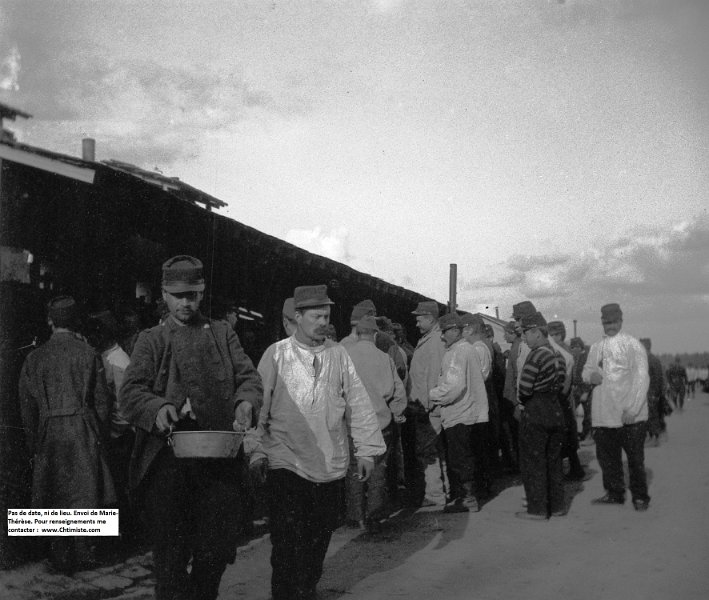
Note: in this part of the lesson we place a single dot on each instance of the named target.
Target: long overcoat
(66, 405)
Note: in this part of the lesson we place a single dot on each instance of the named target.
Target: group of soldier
(370, 419)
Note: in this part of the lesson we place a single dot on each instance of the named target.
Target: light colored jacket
(378, 373)
(461, 387)
(622, 361)
(308, 408)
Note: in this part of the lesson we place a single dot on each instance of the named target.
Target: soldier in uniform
(188, 373)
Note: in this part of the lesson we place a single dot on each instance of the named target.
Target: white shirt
(622, 362)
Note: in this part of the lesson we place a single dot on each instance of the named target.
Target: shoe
(456, 506)
(472, 503)
(354, 524)
(431, 502)
(580, 476)
(609, 499)
(373, 526)
(523, 514)
(641, 505)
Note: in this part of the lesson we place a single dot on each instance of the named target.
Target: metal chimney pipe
(574, 327)
(88, 149)
(452, 286)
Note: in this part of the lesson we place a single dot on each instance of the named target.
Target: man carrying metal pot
(188, 373)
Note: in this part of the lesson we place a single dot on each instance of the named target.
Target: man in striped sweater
(541, 423)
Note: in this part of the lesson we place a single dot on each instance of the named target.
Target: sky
(553, 150)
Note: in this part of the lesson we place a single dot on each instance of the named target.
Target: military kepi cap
(536, 319)
(307, 296)
(611, 313)
(182, 274)
(576, 342)
(557, 327)
(428, 307)
(62, 310)
(523, 308)
(449, 321)
(362, 309)
(289, 309)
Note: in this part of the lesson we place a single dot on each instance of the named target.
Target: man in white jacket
(617, 367)
(461, 395)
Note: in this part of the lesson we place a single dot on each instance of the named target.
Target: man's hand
(365, 466)
(242, 416)
(596, 378)
(258, 470)
(517, 414)
(167, 415)
(628, 419)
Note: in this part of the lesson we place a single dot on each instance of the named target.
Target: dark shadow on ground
(409, 531)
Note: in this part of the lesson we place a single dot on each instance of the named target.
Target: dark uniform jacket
(66, 406)
(202, 361)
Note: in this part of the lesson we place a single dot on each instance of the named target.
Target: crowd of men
(335, 432)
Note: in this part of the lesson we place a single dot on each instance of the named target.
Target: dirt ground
(595, 552)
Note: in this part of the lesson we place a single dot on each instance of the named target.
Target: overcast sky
(555, 151)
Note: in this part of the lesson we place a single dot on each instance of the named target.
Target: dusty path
(595, 552)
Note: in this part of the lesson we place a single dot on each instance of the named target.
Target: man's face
(532, 337)
(232, 318)
(424, 323)
(610, 328)
(510, 336)
(557, 338)
(312, 322)
(467, 332)
(450, 336)
(182, 305)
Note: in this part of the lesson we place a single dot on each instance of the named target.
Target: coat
(202, 361)
(66, 407)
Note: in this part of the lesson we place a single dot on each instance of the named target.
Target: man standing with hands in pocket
(188, 373)
(617, 367)
(312, 398)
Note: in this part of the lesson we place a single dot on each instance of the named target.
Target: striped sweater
(544, 371)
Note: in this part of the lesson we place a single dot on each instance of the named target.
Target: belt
(66, 412)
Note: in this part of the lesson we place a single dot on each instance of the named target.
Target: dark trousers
(422, 448)
(571, 437)
(459, 458)
(610, 443)
(369, 499)
(303, 516)
(509, 435)
(541, 436)
(481, 459)
(192, 507)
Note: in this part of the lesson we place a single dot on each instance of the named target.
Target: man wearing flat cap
(313, 397)
(580, 390)
(188, 373)
(541, 429)
(617, 367)
(423, 451)
(366, 502)
(66, 409)
(460, 394)
(382, 340)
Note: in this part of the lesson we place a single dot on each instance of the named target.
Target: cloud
(334, 245)
(652, 269)
(10, 71)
